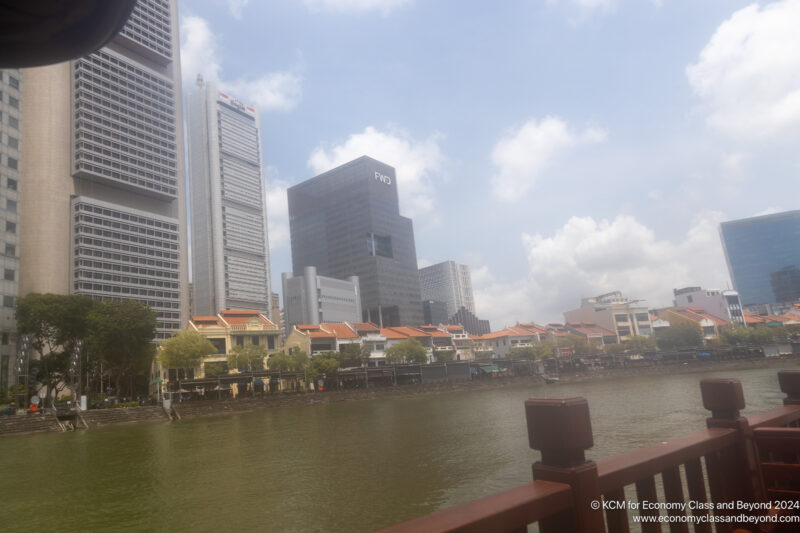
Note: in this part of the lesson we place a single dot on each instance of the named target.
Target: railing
(734, 456)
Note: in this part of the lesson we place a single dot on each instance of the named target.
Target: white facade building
(313, 299)
(450, 283)
(614, 312)
(230, 247)
(722, 304)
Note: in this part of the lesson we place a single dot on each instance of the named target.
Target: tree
(354, 355)
(543, 349)
(250, 357)
(324, 365)
(407, 351)
(444, 356)
(640, 343)
(527, 352)
(185, 350)
(679, 334)
(121, 335)
(295, 361)
(55, 324)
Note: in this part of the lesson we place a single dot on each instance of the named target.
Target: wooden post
(734, 472)
(789, 381)
(561, 429)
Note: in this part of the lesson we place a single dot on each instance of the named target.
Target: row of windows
(128, 269)
(11, 162)
(154, 154)
(136, 260)
(147, 221)
(87, 241)
(139, 79)
(170, 301)
(126, 136)
(80, 273)
(123, 102)
(123, 237)
(149, 25)
(125, 227)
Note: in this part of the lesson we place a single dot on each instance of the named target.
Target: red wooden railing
(740, 459)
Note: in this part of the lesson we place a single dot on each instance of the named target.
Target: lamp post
(23, 369)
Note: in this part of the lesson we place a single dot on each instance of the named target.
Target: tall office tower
(10, 95)
(763, 255)
(346, 222)
(230, 250)
(103, 210)
(450, 283)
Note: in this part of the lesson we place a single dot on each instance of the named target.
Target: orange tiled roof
(455, 327)
(205, 321)
(588, 329)
(307, 327)
(390, 333)
(342, 331)
(365, 327)
(232, 312)
(321, 335)
(412, 332)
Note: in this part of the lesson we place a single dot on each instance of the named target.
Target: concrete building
(347, 222)
(450, 283)
(763, 255)
(10, 162)
(103, 209)
(314, 299)
(230, 250)
(709, 324)
(613, 312)
(723, 304)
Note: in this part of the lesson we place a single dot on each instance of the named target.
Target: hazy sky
(561, 148)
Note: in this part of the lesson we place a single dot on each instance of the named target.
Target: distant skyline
(560, 148)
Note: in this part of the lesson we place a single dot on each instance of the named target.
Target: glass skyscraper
(347, 222)
(763, 255)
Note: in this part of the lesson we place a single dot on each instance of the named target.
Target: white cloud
(416, 162)
(384, 6)
(525, 153)
(749, 72)
(274, 91)
(769, 211)
(586, 257)
(422, 262)
(277, 209)
(236, 7)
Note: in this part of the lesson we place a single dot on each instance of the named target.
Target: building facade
(347, 222)
(10, 124)
(230, 247)
(763, 255)
(314, 299)
(723, 304)
(103, 210)
(614, 312)
(450, 283)
(434, 312)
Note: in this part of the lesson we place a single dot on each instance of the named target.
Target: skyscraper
(763, 255)
(230, 250)
(103, 208)
(347, 222)
(10, 95)
(450, 283)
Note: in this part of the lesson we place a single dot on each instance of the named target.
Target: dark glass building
(346, 222)
(763, 255)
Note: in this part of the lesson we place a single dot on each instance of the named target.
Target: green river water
(347, 467)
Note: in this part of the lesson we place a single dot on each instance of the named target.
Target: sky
(560, 148)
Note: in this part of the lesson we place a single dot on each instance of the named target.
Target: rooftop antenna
(199, 82)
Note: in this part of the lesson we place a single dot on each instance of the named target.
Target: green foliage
(407, 351)
(296, 361)
(121, 335)
(527, 352)
(354, 355)
(639, 343)
(213, 369)
(444, 356)
(614, 348)
(54, 323)
(679, 334)
(249, 357)
(759, 334)
(185, 350)
(323, 365)
(129, 404)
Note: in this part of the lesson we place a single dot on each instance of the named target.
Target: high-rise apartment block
(10, 109)
(103, 207)
(763, 255)
(230, 250)
(347, 222)
(450, 283)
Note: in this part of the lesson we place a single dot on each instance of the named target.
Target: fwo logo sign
(383, 178)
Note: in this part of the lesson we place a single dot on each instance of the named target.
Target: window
(621, 318)
(11, 227)
(642, 317)
(255, 340)
(14, 82)
(12, 163)
(624, 331)
(379, 245)
(4, 339)
(8, 274)
(271, 343)
(13, 122)
(8, 301)
(11, 205)
(13, 142)
(11, 249)
(13, 102)
(240, 341)
(11, 184)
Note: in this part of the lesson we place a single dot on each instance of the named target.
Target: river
(346, 467)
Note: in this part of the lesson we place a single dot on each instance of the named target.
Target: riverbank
(203, 408)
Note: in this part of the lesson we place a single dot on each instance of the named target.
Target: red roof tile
(390, 333)
(342, 331)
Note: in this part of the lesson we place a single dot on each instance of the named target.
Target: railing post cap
(789, 382)
(559, 424)
(722, 394)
